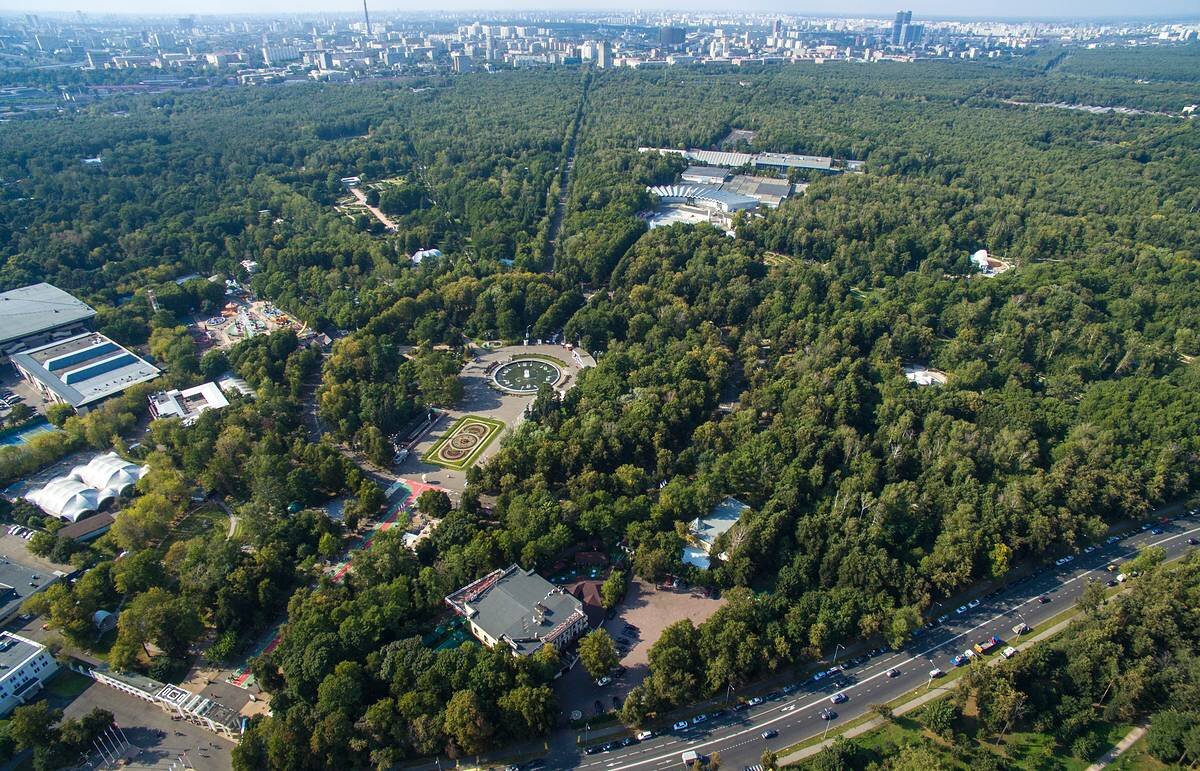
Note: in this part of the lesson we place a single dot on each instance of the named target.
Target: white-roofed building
(88, 488)
(188, 403)
(24, 665)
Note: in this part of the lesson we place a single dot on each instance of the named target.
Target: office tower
(902, 18)
(669, 37)
(777, 29)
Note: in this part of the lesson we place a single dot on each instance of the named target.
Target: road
(737, 735)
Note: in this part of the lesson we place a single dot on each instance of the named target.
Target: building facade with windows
(24, 666)
(519, 609)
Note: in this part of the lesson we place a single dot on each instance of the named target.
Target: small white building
(24, 665)
(421, 254)
(188, 403)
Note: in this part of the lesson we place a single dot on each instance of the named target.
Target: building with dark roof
(87, 529)
(519, 609)
(82, 370)
(38, 314)
(17, 583)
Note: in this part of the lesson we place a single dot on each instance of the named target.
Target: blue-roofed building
(83, 370)
(704, 531)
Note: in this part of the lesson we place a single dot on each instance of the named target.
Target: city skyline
(988, 9)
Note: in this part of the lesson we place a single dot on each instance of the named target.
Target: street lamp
(828, 724)
(835, 651)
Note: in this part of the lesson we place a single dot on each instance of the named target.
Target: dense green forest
(766, 366)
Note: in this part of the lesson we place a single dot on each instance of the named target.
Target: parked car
(973, 603)
(1009, 652)
(680, 725)
(961, 609)
(828, 714)
(591, 750)
(837, 698)
(644, 735)
(1156, 531)
(935, 672)
(603, 681)
(1020, 628)
(1043, 599)
(1089, 549)
(628, 741)
(698, 719)
(1192, 542)
(755, 701)
(1112, 539)
(770, 733)
(741, 706)
(959, 660)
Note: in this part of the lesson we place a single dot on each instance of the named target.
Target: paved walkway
(917, 702)
(379, 215)
(1130, 739)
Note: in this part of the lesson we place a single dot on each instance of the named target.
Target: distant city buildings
(256, 51)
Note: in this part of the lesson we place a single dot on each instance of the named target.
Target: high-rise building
(777, 29)
(669, 37)
(902, 18)
(604, 55)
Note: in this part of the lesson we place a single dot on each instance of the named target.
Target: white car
(698, 719)
(681, 725)
(603, 681)
(1089, 549)
(935, 672)
(1009, 652)
(973, 603)
(755, 701)
(644, 735)
(961, 609)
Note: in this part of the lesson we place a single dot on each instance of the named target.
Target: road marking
(694, 744)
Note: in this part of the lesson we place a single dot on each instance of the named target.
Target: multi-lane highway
(737, 735)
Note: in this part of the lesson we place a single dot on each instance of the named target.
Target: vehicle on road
(1112, 539)
(1089, 549)
(983, 646)
(755, 701)
(741, 706)
(1009, 652)
(961, 609)
(642, 736)
(691, 758)
(838, 697)
(680, 726)
(788, 708)
(770, 733)
(603, 681)
(973, 603)
(1192, 542)
(1043, 599)
(959, 660)
(698, 719)
(828, 714)
(1020, 628)
(893, 672)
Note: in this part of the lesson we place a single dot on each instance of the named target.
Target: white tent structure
(88, 488)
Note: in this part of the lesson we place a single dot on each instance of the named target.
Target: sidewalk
(917, 702)
(1130, 739)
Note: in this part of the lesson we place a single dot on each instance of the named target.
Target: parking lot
(158, 741)
(649, 610)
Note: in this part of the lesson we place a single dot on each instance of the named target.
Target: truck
(691, 758)
(983, 646)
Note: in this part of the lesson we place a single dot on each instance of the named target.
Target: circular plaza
(526, 375)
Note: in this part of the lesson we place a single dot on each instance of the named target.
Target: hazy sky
(964, 8)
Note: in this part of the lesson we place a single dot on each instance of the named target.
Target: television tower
(367, 17)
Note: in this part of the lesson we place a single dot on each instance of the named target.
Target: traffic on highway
(842, 691)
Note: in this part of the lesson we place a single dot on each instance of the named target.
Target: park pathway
(1130, 739)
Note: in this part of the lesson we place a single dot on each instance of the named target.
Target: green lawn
(67, 684)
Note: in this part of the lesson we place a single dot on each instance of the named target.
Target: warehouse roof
(85, 368)
(37, 308)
